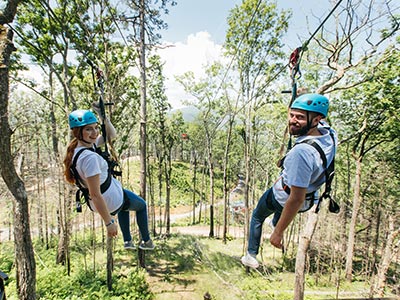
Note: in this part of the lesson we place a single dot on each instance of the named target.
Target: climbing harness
(83, 193)
(329, 172)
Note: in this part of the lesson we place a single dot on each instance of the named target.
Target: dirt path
(177, 214)
(236, 231)
(203, 230)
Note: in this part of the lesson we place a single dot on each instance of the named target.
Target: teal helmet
(81, 117)
(312, 102)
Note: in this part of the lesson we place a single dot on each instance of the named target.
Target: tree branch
(8, 13)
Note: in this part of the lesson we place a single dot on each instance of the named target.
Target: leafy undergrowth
(182, 267)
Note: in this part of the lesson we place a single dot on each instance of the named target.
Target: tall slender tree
(207, 95)
(160, 106)
(253, 42)
(25, 262)
(146, 21)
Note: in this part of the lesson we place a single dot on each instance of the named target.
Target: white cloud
(197, 52)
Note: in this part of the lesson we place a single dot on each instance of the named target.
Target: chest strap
(82, 190)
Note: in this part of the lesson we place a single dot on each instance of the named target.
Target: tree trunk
(46, 217)
(304, 244)
(143, 107)
(226, 162)
(247, 133)
(110, 262)
(389, 253)
(39, 205)
(194, 180)
(160, 187)
(152, 213)
(168, 170)
(352, 230)
(54, 125)
(65, 226)
(26, 267)
(211, 171)
(202, 192)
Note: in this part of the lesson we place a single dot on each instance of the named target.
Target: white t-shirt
(90, 163)
(303, 166)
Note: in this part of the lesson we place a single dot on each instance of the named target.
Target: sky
(192, 16)
(196, 32)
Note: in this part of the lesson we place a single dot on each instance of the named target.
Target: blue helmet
(81, 117)
(312, 102)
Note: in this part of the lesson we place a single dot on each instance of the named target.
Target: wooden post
(142, 258)
(110, 262)
(304, 244)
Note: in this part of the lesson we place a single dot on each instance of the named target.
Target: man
(302, 175)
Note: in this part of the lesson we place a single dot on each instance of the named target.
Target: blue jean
(138, 205)
(266, 206)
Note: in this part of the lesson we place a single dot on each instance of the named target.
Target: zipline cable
(297, 54)
(294, 65)
(303, 48)
(322, 24)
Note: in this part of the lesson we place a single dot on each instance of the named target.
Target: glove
(96, 108)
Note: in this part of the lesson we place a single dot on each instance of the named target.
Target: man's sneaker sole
(130, 248)
(146, 249)
(247, 264)
(145, 246)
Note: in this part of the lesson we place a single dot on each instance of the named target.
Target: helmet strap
(81, 135)
(309, 124)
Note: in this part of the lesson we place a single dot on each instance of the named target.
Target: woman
(92, 174)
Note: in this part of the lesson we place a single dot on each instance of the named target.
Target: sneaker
(146, 245)
(128, 245)
(250, 261)
(271, 224)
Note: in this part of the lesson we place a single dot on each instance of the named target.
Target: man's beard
(298, 131)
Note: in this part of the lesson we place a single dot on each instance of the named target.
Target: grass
(187, 267)
(182, 267)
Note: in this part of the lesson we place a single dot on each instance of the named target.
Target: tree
(253, 41)
(49, 35)
(207, 95)
(160, 106)
(375, 109)
(146, 21)
(25, 262)
(353, 22)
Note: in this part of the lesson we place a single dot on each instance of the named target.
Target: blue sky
(192, 16)
(196, 32)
